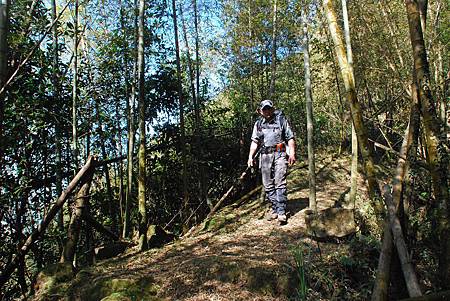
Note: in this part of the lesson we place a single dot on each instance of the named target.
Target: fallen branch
(196, 228)
(108, 161)
(99, 227)
(408, 270)
(9, 269)
(380, 291)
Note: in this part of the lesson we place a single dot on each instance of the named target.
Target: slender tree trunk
(4, 21)
(309, 116)
(262, 88)
(197, 107)
(380, 291)
(355, 108)
(195, 98)
(131, 132)
(22, 205)
(75, 89)
(58, 136)
(192, 80)
(250, 30)
(354, 168)
(437, 151)
(423, 7)
(338, 88)
(119, 166)
(80, 176)
(111, 202)
(444, 104)
(197, 58)
(402, 250)
(73, 233)
(142, 166)
(118, 113)
(273, 63)
(383, 6)
(180, 95)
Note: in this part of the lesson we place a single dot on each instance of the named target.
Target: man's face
(267, 112)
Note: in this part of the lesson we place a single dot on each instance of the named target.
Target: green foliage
(299, 258)
(36, 113)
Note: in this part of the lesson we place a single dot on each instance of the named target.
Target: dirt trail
(239, 256)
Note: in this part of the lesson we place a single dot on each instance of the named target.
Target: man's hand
(291, 144)
(291, 159)
(251, 153)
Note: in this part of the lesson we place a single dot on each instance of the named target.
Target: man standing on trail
(272, 132)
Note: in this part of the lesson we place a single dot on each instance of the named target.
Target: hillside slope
(240, 256)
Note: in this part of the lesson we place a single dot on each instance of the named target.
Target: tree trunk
(437, 151)
(380, 290)
(119, 166)
(192, 80)
(181, 99)
(355, 108)
(82, 174)
(194, 83)
(273, 63)
(142, 166)
(338, 88)
(197, 108)
(423, 7)
(402, 250)
(250, 30)
(354, 168)
(197, 60)
(111, 202)
(309, 117)
(73, 232)
(131, 132)
(75, 88)
(4, 24)
(383, 5)
(406, 151)
(22, 204)
(118, 113)
(58, 136)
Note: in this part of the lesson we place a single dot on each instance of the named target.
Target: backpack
(280, 118)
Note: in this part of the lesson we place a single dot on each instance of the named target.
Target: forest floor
(239, 255)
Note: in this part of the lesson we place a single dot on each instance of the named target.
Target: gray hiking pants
(273, 170)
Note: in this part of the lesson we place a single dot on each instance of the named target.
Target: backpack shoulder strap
(259, 124)
(281, 119)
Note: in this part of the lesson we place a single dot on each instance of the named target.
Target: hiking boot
(271, 216)
(282, 219)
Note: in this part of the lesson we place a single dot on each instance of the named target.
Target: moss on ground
(120, 289)
(52, 281)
